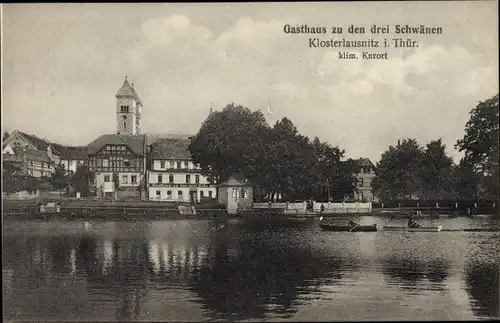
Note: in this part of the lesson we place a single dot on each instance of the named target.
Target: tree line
(279, 161)
(408, 170)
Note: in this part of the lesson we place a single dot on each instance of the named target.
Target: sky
(63, 64)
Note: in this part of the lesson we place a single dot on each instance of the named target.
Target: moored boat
(347, 228)
(420, 229)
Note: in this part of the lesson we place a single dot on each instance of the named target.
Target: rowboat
(359, 228)
(473, 230)
(421, 229)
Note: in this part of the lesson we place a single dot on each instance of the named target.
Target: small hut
(235, 194)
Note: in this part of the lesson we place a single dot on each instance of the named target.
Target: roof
(364, 162)
(40, 144)
(127, 91)
(136, 143)
(20, 173)
(235, 180)
(32, 154)
(171, 149)
(73, 153)
(151, 138)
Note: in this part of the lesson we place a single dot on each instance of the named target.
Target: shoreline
(205, 215)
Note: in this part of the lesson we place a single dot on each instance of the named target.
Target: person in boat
(412, 223)
(353, 224)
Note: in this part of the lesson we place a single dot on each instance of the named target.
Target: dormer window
(124, 108)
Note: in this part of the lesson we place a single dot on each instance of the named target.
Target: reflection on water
(245, 270)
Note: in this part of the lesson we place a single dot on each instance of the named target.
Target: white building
(365, 178)
(71, 157)
(173, 176)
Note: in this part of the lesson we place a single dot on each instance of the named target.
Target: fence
(285, 208)
(356, 207)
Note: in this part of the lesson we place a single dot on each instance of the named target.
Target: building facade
(71, 157)
(20, 139)
(173, 176)
(365, 178)
(33, 162)
(235, 194)
(119, 165)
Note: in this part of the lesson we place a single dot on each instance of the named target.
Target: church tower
(128, 110)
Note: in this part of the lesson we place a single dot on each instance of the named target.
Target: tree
(116, 181)
(279, 161)
(397, 173)
(331, 177)
(345, 179)
(11, 183)
(59, 178)
(466, 181)
(81, 179)
(230, 141)
(480, 144)
(435, 172)
(5, 136)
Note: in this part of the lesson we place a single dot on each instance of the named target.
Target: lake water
(193, 270)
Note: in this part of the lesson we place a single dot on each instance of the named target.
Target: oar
(354, 227)
(412, 225)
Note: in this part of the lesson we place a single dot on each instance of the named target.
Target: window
(125, 179)
(243, 193)
(235, 193)
(105, 163)
(133, 179)
(209, 193)
(179, 195)
(179, 165)
(169, 194)
(106, 178)
(197, 179)
(126, 163)
(188, 179)
(162, 164)
(172, 164)
(201, 194)
(43, 164)
(124, 117)
(108, 147)
(160, 179)
(124, 125)
(171, 178)
(158, 194)
(360, 182)
(186, 165)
